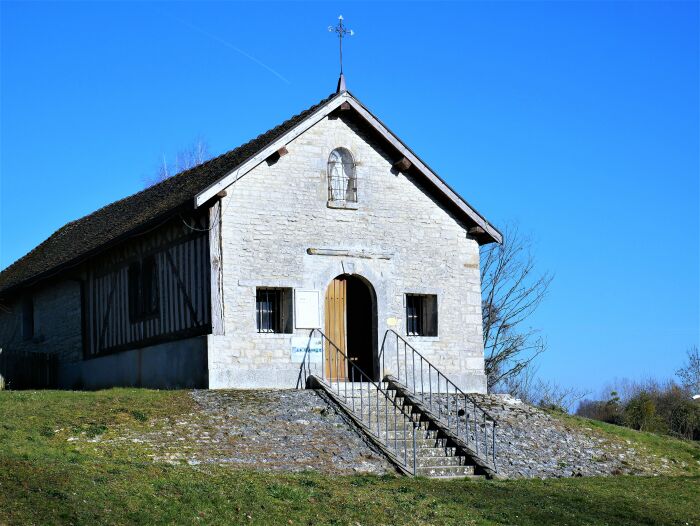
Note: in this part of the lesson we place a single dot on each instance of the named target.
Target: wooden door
(336, 323)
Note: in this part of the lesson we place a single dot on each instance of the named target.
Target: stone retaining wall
(289, 430)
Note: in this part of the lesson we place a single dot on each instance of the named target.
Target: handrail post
(430, 385)
(493, 447)
(476, 430)
(352, 388)
(377, 411)
(414, 449)
(422, 389)
(467, 428)
(413, 370)
(447, 388)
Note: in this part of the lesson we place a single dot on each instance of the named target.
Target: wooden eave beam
(275, 156)
(402, 165)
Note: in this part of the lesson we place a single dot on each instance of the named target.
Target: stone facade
(57, 322)
(273, 214)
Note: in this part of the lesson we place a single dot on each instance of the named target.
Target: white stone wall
(273, 214)
(57, 322)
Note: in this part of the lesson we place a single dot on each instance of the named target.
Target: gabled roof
(89, 235)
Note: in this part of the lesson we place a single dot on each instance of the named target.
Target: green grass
(45, 478)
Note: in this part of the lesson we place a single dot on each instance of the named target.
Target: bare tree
(511, 291)
(690, 372)
(547, 394)
(185, 159)
(551, 395)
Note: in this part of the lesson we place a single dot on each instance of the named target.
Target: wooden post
(215, 256)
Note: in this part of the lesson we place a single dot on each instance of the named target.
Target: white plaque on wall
(306, 309)
(306, 348)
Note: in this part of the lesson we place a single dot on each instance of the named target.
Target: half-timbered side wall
(153, 289)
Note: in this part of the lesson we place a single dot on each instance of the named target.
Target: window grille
(421, 314)
(342, 179)
(273, 310)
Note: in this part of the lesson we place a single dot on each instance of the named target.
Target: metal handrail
(368, 402)
(464, 405)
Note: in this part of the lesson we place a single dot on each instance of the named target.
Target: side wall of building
(179, 252)
(57, 322)
(274, 214)
(85, 316)
(179, 364)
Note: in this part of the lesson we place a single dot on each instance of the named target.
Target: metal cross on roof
(342, 31)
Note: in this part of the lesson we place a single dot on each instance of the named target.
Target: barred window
(273, 310)
(342, 180)
(421, 314)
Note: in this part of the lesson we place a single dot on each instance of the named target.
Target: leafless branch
(512, 291)
(185, 159)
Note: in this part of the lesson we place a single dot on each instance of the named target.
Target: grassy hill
(65, 459)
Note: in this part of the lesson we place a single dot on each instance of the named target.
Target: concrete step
(366, 386)
(445, 471)
(423, 451)
(364, 401)
(452, 477)
(398, 432)
(406, 433)
(443, 462)
(385, 415)
(386, 412)
(420, 441)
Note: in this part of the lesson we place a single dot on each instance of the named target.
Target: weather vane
(342, 31)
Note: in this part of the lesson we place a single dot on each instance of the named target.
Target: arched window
(342, 181)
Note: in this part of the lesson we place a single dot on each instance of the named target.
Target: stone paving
(290, 430)
(532, 443)
(269, 430)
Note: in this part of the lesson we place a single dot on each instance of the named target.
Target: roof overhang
(488, 233)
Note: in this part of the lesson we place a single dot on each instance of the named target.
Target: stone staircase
(416, 416)
(405, 433)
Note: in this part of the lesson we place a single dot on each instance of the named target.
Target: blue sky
(576, 120)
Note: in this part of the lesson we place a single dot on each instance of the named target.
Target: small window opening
(421, 315)
(273, 310)
(143, 289)
(342, 180)
(28, 318)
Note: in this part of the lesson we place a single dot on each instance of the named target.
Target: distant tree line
(670, 407)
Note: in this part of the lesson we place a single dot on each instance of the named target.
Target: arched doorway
(351, 324)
